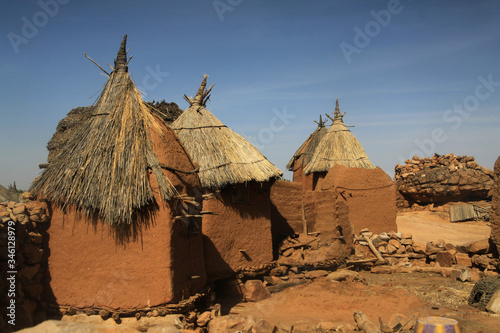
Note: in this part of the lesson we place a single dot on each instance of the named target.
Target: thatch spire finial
(321, 123)
(202, 95)
(121, 57)
(338, 117)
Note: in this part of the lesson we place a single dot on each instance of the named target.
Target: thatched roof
(168, 112)
(307, 149)
(338, 146)
(102, 170)
(223, 156)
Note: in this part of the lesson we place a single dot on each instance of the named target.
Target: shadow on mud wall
(239, 235)
(217, 267)
(280, 229)
(49, 300)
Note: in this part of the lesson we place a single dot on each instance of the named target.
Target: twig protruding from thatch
(95, 63)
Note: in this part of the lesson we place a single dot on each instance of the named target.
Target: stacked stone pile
(441, 179)
(30, 221)
(495, 208)
(398, 252)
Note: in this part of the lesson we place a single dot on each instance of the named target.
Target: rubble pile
(310, 250)
(396, 252)
(495, 213)
(441, 179)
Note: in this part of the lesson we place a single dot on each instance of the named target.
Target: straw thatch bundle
(307, 149)
(102, 170)
(223, 156)
(338, 146)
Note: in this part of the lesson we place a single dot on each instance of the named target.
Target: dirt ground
(430, 226)
(384, 295)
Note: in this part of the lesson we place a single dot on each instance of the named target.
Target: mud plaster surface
(238, 226)
(369, 193)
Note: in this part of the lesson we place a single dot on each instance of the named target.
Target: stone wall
(441, 179)
(495, 208)
(28, 222)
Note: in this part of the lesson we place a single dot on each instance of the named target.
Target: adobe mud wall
(23, 228)
(286, 198)
(441, 179)
(298, 171)
(322, 210)
(239, 237)
(165, 264)
(370, 195)
(495, 208)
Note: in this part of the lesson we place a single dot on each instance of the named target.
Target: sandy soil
(429, 226)
(385, 295)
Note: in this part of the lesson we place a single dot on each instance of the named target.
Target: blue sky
(424, 78)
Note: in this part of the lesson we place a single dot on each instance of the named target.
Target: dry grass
(338, 146)
(307, 149)
(102, 171)
(224, 157)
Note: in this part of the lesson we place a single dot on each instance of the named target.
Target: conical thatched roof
(338, 146)
(102, 170)
(223, 156)
(307, 149)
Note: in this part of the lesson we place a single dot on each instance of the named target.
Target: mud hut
(123, 234)
(304, 154)
(338, 146)
(337, 191)
(236, 179)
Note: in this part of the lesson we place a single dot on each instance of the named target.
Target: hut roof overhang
(103, 169)
(338, 146)
(223, 156)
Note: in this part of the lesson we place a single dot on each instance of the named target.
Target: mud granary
(125, 231)
(336, 190)
(236, 180)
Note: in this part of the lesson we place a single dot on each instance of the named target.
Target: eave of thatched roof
(102, 170)
(223, 156)
(307, 149)
(338, 146)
